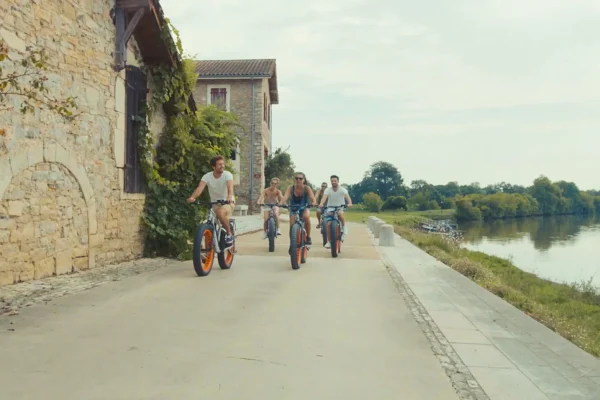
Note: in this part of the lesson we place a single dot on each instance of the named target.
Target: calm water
(561, 249)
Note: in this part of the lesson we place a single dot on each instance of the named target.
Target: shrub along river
(563, 249)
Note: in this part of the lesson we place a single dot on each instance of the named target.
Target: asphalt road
(334, 329)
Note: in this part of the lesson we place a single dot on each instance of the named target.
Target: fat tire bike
(298, 247)
(214, 236)
(334, 225)
(323, 224)
(271, 226)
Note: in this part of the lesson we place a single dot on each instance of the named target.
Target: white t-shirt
(336, 198)
(217, 187)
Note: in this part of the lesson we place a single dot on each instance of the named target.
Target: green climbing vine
(174, 162)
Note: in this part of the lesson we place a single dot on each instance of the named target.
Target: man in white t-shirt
(220, 187)
(336, 196)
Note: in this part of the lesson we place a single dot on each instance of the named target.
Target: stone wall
(241, 104)
(62, 204)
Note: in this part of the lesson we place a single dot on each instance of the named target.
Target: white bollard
(377, 228)
(370, 222)
(387, 237)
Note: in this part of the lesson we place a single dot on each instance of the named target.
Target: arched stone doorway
(47, 214)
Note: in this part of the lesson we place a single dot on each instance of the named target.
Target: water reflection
(561, 248)
(544, 232)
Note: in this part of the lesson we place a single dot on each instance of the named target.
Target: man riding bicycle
(319, 196)
(220, 187)
(271, 195)
(300, 195)
(336, 196)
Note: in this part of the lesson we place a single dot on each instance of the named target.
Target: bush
(395, 203)
(372, 202)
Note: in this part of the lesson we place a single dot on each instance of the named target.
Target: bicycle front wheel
(271, 233)
(296, 246)
(336, 243)
(204, 250)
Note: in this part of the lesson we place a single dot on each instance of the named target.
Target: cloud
(508, 71)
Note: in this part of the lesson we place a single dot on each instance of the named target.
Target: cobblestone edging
(25, 294)
(463, 381)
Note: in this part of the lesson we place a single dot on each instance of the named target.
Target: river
(563, 249)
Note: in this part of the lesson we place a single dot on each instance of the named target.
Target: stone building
(247, 88)
(71, 194)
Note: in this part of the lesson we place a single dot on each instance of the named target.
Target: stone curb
(464, 383)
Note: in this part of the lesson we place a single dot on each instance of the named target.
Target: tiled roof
(233, 68)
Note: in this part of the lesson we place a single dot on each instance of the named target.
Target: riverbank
(402, 218)
(573, 311)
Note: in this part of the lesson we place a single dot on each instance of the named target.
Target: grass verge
(402, 218)
(572, 311)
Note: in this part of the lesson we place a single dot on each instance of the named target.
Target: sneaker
(308, 241)
(278, 232)
(328, 245)
(264, 235)
(228, 240)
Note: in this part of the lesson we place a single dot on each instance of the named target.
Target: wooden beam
(132, 5)
(132, 25)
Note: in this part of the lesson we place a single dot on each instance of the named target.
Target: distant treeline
(383, 188)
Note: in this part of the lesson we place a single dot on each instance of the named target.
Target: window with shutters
(136, 97)
(219, 95)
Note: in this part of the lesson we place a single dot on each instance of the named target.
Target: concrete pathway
(334, 329)
(510, 355)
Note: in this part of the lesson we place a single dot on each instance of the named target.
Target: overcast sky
(446, 90)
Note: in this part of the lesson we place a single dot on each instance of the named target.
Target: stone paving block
(549, 381)
(482, 355)
(450, 319)
(467, 336)
(507, 384)
(518, 352)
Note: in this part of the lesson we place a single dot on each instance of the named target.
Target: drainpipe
(250, 200)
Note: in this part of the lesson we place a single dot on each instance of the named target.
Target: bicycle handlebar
(270, 205)
(211, 203)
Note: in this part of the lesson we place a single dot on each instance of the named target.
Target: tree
(395, 203)
(25, 79)
(372, 202)
(386, 178)
(279, 164)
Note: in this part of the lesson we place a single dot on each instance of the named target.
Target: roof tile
(232, 68)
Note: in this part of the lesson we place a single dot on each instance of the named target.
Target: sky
(446, 90)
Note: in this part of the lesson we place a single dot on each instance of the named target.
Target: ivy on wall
(174, 167)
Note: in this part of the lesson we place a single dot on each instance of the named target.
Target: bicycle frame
(211, 219)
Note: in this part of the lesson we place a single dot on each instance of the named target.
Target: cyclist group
(220, 186)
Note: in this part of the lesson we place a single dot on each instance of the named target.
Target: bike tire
(203, 266)
(295, 246)
(304, 252)
(271, 234)
(225, 257)
(334, 229)
(324, 230)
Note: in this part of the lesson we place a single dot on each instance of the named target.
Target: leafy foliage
(279, 164)
(395, 203)
(174, 168)
(372, 202)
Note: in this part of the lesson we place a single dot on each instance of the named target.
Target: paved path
(509, 354)
(335, 329)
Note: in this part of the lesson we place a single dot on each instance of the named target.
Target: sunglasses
(299, 178)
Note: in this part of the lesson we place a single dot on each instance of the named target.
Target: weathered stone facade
(240, 103)
(62, 203)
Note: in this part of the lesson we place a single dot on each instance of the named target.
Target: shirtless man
(318, 197)
(271, 195)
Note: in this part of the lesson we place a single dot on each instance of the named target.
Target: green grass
(573, 311)
(403, 218)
